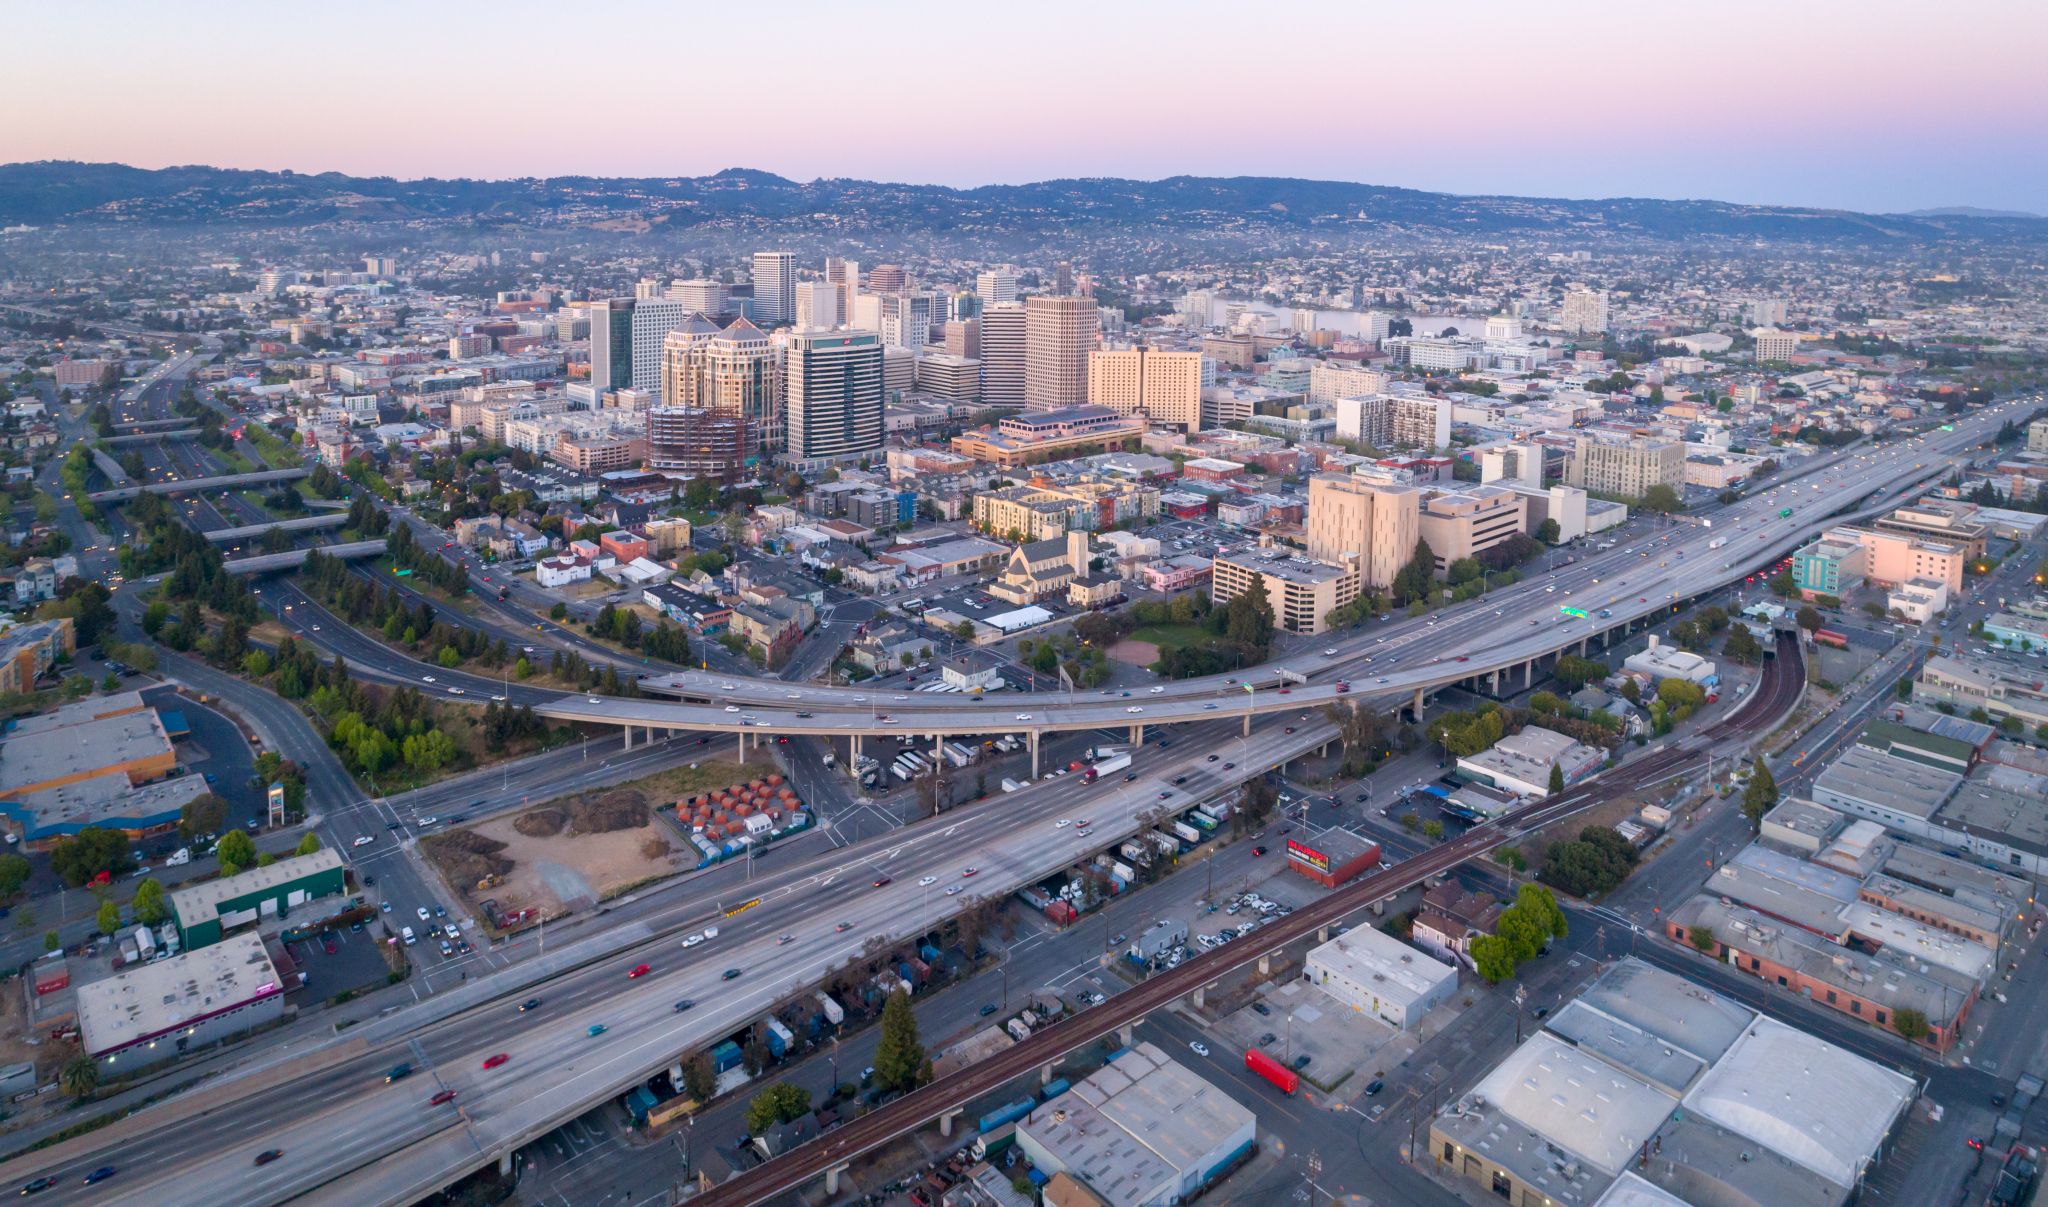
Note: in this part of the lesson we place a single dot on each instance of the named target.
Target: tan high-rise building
(885, 278)
(737, 372)
(1002, 355)
(963, 338)
(1059, 333)
(1166, 387)
(1626, 468)
(1374, 523)
(817, 306)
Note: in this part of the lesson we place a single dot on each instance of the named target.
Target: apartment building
(1002, 355)
(1330, 380)
(738, 370)
(1370, 522)
(1627, 466)
(1893, 558)
(1163, 387)
(699, 441)
(1773, 344)
(1584, 312)
(1943, 521)
(1301, 591)
(953, 378)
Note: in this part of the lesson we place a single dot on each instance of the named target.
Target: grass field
(1175, 636)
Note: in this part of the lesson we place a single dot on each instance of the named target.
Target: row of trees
(1524, 929)
(665, 641)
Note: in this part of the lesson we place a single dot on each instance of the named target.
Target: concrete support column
(1322, 934)
(1247, 723)
(946, 1121)
(1045, 1074)
(743, 745)
(1416, 707)
(1031, 739)
(856, 750)
(832, 1179)
(1123, 1036)
(1493, 683)
(1528, 674)
(938, 747)
(1199, 1003)
(629, 737)
(505, 1166)
(1265, 964)
(1137, 736)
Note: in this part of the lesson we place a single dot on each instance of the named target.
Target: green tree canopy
(235, 849)
(1761, 794)
(900, 1060)
(88, 854)
(150, 907)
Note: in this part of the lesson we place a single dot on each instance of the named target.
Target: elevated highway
(227, 536)
(153, 425)
(148, 437)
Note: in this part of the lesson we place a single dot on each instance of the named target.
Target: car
(927, 881)
(803, 716)
(428, 821)
(1229, 766)
(532, 1003)
(497, 699)
(1290, 729)
(730, 974)
(732, 708)
(443, 1096)
(1165, 793)
(638, 971)
(363, 841)
(1083, 823)
(38, 1186)
(596, 700)
(397, 1073)
(1198, 1047)
(268, 1155)
(98, 1175)
(988, 1009)
(422, 912)
(1212, 758)
(1263, 1009)
(969, 870)
(1301, 1062)
(842, 928)
(1374, 1086)
(596, 1029)
(1540, 1012)
(1159, 691)
(454, 691)
(880, 881)
(1135, 708)
(781, 940)
(493, 1061)
(385, 906)
(1023, 716)
(1062, 823)
(1256, 851)
(328, 945)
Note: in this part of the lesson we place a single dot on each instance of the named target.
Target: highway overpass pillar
(1031, 737)
(743, 745)
(1417, 706)
(1045, 1074)
(1137, 736)
(629, 736)
(856, 751)
(1322, 934)
(832, 1179)
(505, 1166)
(1247, 724)
(1265, 964)
(1528, 674)
(938, 748)
(1123, 1035)
(1199, 1003)
(946, 1121)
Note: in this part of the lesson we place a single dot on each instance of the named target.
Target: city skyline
(1886, 115)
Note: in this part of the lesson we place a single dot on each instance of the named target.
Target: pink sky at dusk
(1880, 105)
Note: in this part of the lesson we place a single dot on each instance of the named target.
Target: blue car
(596, 1029)
(99, 1175)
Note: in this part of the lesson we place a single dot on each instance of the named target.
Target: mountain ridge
(50, 192)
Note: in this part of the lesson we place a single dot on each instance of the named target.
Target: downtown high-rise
(774, 287)
(1060, 330)
(833, 410)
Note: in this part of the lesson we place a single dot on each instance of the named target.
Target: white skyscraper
(653, 319)
(1002, 355)
(703, 295)
(996, 287)
(817, 306)
(774, 287)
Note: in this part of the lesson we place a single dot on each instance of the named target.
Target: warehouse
(1377, 974)
(1521, 762)
(206, 911)
(1332, 857)
(1733, 1106)
(1143, 1131)
(160, 1009)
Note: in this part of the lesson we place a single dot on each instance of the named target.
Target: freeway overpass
(829, 1154)
(224, 536)
(109, 467)
(292, 559)
(1494, 643)
(189, 485)
(153, 425)
(147, 437)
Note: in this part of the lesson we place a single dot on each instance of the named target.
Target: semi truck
(1282, 1077)
(1717, 542)
(1096, 753)
(1105, 767)
(1187, 833)
(995, 1142)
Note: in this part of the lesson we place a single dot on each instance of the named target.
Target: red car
(443, 1096)
(639, 970)
(1258, 850)
(968, 872)
(492, 1062)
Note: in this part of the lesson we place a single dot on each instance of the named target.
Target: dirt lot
(575, 851)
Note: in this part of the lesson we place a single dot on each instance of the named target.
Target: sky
(1876, 105)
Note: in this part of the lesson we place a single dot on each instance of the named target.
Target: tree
(236, 849)
(203, 814)
(779, 1103)
(1493, 957)
(1248, 619)
(1414, 581)
(149, 903)
(1548, 532)
(1556, 779)
(1809, 618)
(1910, 1024)
(1573, 672)
(1742, 645)
(308, 843)
(89, 853)
(14, 874)
(1701, 937)
(1662, 498)
(900, 1061)
(109, 917)
(80, 1076)
(700, 1078)
(1761, 796)
(50, 941)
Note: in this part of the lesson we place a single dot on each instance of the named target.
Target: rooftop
(80, 740)
(1576, 1100)
(1396, 971)
(149, 999)
(201, 902)
(1884, 781)
(1982, 808)
(1135, 1123)
(1666, 1005)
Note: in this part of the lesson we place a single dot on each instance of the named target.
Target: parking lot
(340, 959)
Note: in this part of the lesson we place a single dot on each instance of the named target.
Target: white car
(1063, 823)
(1023, 716)
(732, 708)
(426, 678)
(422, 911)
(363, 841)
(454, 691)
(952, 890)
(1158, 691)
(927, 881)
(1331, 652)
(428, 821)
(693, 940)
(1135, 708)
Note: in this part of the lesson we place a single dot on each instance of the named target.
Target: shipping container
(995, 1142)
(780, 1038)
(725, 1056)
(1006, 1114)
(1272, 1070)
(834, 1013)
(1053, 1089)
(1187, 833)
